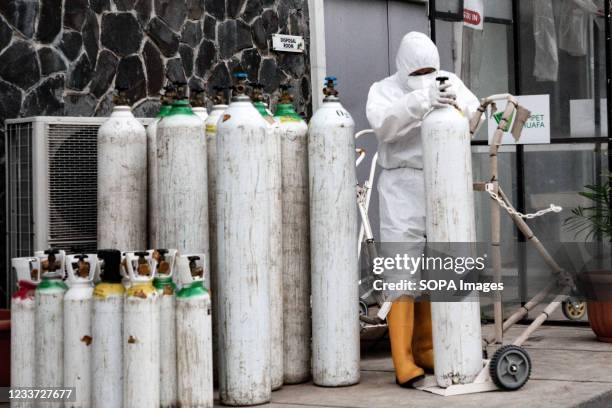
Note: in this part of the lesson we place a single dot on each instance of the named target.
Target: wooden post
(496, 220)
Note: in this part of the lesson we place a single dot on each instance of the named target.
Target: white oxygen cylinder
(163, 282)
(23, 335)
(275, 270)
(295, 242)
(107, 329)
(141, 334)
(153, 205)
(211, 149)
(78, 308)
(198, 106)
(248, 164)
(182, 179)
(447, 165)
(49, 322)
(194, 335)
(122, 180)
(333, 242)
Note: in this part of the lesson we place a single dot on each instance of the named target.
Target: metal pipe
(496, 217)
(363, 132)
(367, 185)
(7, 168)
(523, 310)
(362, 154)
(535, 325)
(477, 121)
(432, 20)
(520, 153)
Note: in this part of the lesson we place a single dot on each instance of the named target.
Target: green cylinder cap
(162, 281)
(180, 107)
(261, 108)
(194, 289)
(286, 110)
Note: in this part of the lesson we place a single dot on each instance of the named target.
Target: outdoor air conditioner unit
(51, 182)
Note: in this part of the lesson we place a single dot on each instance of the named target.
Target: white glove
(442, 95)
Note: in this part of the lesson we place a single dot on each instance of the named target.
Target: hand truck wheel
(510, 367)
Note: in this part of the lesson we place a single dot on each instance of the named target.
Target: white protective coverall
(395, 108)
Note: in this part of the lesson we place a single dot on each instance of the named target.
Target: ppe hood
(416, 52)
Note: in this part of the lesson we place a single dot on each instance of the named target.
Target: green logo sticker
(498, 117)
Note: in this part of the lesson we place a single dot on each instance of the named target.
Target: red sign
(471, 17)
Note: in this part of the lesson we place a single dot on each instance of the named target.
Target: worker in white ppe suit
(396, 106)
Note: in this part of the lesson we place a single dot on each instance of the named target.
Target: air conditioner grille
(72, 164)
(20, 228)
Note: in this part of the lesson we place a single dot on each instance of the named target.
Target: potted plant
(594, 223)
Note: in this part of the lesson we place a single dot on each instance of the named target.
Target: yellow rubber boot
(422, 342)
(401, 323)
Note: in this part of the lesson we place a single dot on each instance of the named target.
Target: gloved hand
(442, 95)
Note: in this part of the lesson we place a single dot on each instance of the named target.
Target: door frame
(318, 62)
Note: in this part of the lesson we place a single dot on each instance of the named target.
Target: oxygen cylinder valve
(181, 90)
(219, 98)
(196, 271)
(441, 81)
(286, 97)
(163, 267)
(168, 95)
(121, 97)
(143, 268)
(257, 93)
(197, 97)
(34, 273)
(82, 266)
(51, 264)
(330, 84)
(240, 87)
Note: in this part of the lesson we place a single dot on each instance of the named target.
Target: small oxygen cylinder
(49, 326)
(182, 178)
(23, 335)
(141, 334)
(194, 335)
(164, 265)
(153, 206)
(275, 270)
(107, 329)
(247, 173)
(211, 149)
(122, 179)
(447, 166)
(78, 306)
(295, 240)
(333, 241)
(198, 104)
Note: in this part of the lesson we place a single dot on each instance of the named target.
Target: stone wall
(65, 57)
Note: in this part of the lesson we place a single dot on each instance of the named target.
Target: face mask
(415, 82)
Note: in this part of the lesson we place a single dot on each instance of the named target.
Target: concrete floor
(570, 369)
